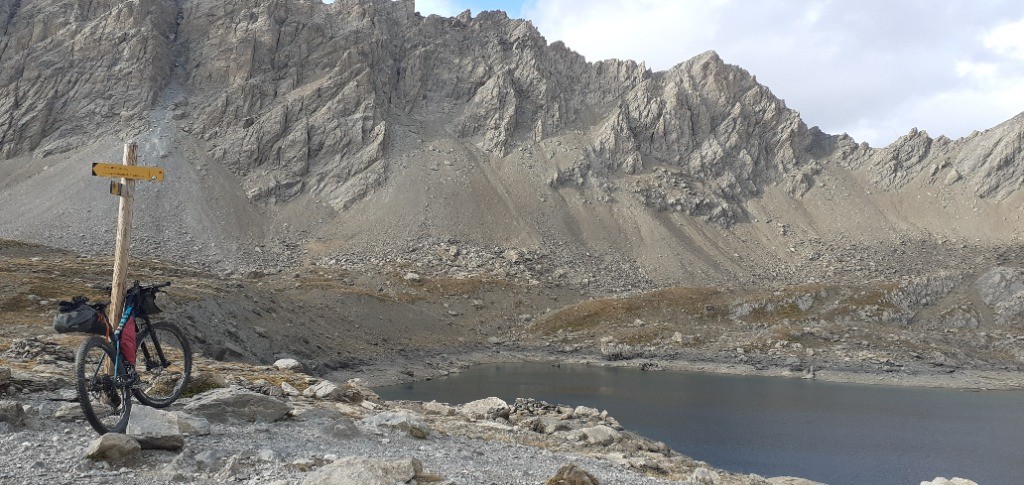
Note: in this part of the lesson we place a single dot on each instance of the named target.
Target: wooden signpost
(128, 172)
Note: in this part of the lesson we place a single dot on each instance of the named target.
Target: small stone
(413, 277)
(289, 390)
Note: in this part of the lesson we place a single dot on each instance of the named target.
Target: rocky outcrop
(1002, 289)
(228, 404)
(70, 71)
(366, 471)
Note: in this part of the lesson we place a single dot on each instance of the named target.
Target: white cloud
(874, 69)
(1007, 40)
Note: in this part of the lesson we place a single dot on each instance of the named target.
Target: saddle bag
(78, 317)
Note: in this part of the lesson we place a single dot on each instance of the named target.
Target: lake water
(829, 432)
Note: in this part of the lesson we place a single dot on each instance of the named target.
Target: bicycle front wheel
(164, 364)
(106, 406)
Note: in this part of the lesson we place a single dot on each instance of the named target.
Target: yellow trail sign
(132, 172)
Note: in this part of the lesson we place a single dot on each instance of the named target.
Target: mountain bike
(106, 377)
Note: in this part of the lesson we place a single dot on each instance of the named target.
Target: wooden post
(124, 225)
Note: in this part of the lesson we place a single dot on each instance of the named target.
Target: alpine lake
(829, 432)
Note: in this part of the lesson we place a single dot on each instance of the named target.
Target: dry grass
(670, 303)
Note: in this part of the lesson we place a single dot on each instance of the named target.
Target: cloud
(874, 69)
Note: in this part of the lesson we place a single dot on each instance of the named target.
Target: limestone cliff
(298, 97)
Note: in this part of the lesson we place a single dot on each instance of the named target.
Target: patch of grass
(666, 304)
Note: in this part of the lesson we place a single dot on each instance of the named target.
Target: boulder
(235, 404)
(290, 364)
(705, 476)
(601, 435)
(5, 377)
(155, 429)
(365, 471)
(490, 408)
(12, 413)
(114, 448)
(572, 474)
(401, 420)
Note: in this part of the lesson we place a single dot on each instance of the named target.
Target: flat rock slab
(365, 471)
(235, 404)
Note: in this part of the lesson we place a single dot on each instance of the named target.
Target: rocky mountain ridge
(316, 108)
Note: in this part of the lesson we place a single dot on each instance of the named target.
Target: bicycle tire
(106, 406)
(164, 364)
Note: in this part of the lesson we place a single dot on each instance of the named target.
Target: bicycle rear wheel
(164, 364)
(105, 405)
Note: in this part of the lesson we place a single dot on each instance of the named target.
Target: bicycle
(105, 377)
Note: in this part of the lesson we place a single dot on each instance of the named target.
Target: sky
(870, 68)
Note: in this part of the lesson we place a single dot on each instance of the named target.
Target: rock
(232, 469)
(12, 413)
(155, 429)
(704, 476)
(572, 474)
(950, 481)
(413, 277)
(343, 429)
(601, 435)
(235, 404)
(192, 425)
(792, 481)
(210, 460)
(434, 408)
(550, 424)
(289, 390)
(1002, 289)
(489, 408)
(269, 456)
(201, 382)
(330, 391)
(69, 412)
(365, 471)
(401, 420)
(585, 412)
(113, 448)
(5, 377)
(290, 364)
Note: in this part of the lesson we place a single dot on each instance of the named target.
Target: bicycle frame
(131, 314)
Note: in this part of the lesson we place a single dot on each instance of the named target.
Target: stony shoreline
(385, 374)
